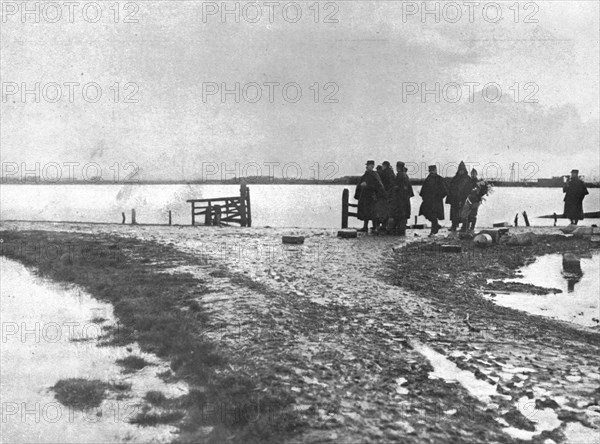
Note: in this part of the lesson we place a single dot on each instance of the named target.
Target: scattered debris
(292, 239)
(347, 233)
(469, 325)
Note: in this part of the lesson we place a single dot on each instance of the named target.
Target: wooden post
(345, 198)
(133, 221)
(416, 220)
(123, 215)
(517, 220)
(526, 218)
(248, 207)
(217, 218)
(170, 219)
(193, 214)
(208, 215)
(243, 215)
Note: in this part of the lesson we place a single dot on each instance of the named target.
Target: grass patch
(80, 393)
(133, 363)
(155, 397)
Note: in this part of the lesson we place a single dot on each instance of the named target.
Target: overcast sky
(374, 53)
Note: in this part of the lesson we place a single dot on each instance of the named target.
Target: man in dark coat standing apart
(458, 191)
(366, 194)
(383, 209)
(433, 192)
(575, 190)
(400, 201)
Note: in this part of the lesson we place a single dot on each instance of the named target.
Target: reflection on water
(579, 301)
(51, 333)
(571, 270)
(572, 279)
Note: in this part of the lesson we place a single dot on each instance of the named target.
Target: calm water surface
(310, 206)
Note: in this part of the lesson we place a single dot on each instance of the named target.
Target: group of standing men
(384, 198)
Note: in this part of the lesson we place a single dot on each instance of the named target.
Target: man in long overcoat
(575, 190)
(400, 199)
(433, 192)
(366, 194)
(383, 198)
(458, 192)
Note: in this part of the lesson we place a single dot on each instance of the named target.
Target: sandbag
(569, 228)
(583, 231)
(483, 240)
(494, 234)
(292, 239)
(521, 239)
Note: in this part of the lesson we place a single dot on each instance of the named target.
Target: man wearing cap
(433, 192)
(575, 190)
(366, 194)
(400, 201)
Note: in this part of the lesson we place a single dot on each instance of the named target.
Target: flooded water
(579, 301)
(50, 333)
(307, 206)
(445, 369)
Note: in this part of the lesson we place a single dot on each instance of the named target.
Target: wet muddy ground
(378, 338)
(51, 338)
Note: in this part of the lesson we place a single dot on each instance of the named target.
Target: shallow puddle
(579, 300)
(445, 369)
(51, 332)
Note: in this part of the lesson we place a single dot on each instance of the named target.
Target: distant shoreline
(505, 184)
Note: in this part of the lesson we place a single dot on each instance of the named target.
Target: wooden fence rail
(224, 210)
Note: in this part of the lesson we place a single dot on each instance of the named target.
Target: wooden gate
(224, 210)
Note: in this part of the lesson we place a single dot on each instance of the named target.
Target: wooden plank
(213, 199)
